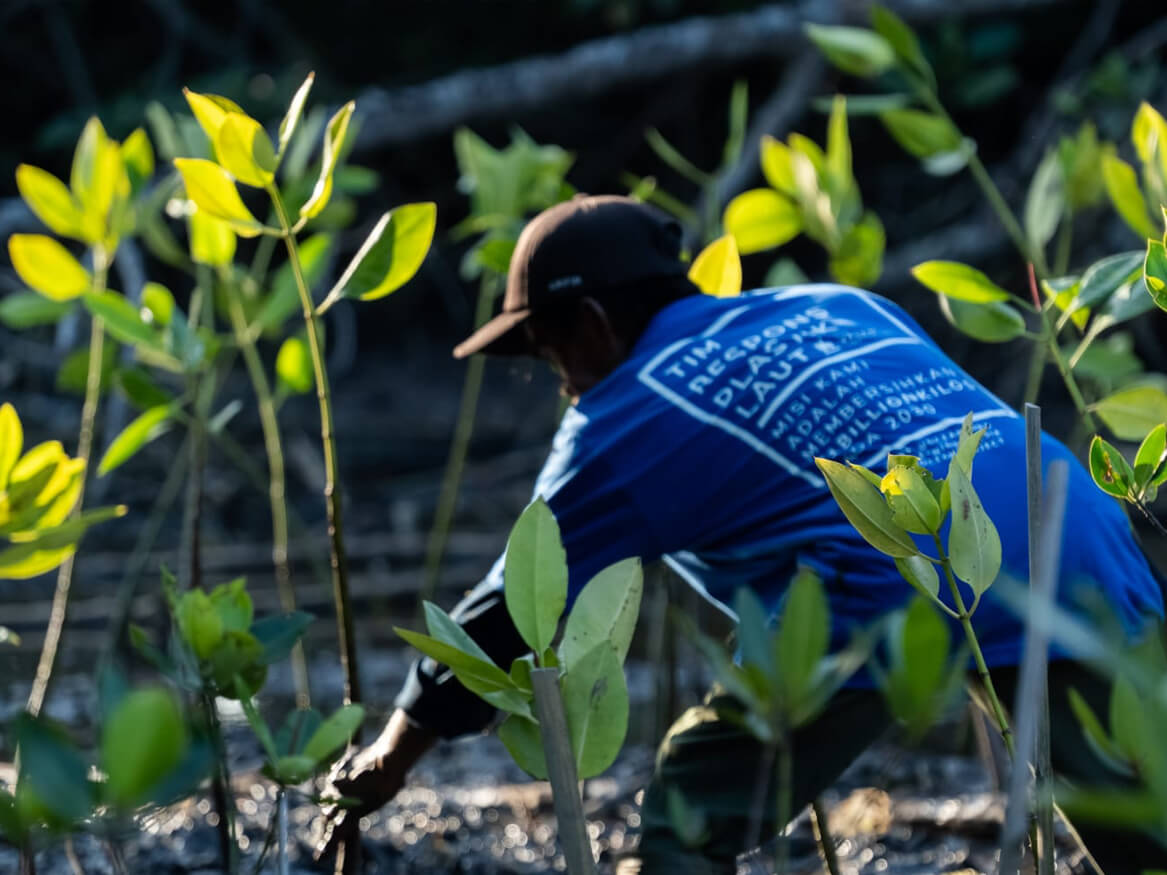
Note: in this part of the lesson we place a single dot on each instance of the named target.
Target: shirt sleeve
(600, 524)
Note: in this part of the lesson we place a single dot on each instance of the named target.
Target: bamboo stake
(569, 816)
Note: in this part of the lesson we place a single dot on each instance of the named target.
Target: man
(692, 436)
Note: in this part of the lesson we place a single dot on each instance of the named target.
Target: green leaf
(390, 255)
(143, 740)
(866, 510)
(865, 104)
(294, 366)
(802, 639)
(967, 445)
(245, 150)
(920, 680)
(853, 50)
(147, 427)
(717, 269)
(595, 699)
(138, 159)
(1045, 202)
(912, 503)
(1122, 185)
(52, 768)
(122, 320)
(292, 769)
(669, 154)
(199, 623)
(523, 741)
(605, 611)
(536, 576)
(922, 134)
(974, 547)
(480, 676)
(1131, 412)
(157, 303)
(47, 267)
(334, 733)
(775, 158)
(22, 310)
(297, 728)
(279, 633)
(1128, 722)
(1063, 291)
(753, 636)
(1154, 273)
(1105, 276)
(1095, 735)
(295, 110)
(858, 259)
(1110, 470)
(233, 605)
(784, 272)
(902, 40)
(838, 162)
(761, 219)
(1150, 457)
(212, 241)
(919, 571)
(50, 200)
(213, 191)
(334, 136)
(994, 322)
(959, 281)
(236, 665)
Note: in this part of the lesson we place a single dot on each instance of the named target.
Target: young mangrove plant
(567, 706)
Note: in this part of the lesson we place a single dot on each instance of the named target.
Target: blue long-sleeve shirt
(699, 448)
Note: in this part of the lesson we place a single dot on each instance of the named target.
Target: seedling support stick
(569, 816)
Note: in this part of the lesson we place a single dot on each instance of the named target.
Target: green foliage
(589, 659)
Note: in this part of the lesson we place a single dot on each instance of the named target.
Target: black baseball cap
(580, 247)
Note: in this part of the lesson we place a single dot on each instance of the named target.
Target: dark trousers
(715, 765)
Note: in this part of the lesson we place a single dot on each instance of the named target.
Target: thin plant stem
(1064, 245)
(277, 489)
(1067, 376)
(818, 814)
(758, 808)
(27, 860)
(56, 627)
(337, 558)
(282, 829)
(785, 803)
(974, 645)
(459, 447)
(221, 786)
(202, 388)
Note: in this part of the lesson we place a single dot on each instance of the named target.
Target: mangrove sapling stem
(761, 785)
(277, 489)
(569, 816)
(337, 558)
(459, 446)
(221, 786)
(818, 814)
(978, 657)
(785, 803)
(52, 642)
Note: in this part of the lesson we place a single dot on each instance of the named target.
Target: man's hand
(370, 776)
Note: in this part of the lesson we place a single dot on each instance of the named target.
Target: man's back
(701, 445)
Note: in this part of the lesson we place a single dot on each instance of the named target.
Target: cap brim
(502, 335)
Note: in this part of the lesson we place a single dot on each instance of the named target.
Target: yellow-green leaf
(390, 255)
(854, 50)
(1122, 185)
(1155, 273)
(1149, 134)
(245, 150)
(157, 303)
(776, 165)
(920, 573)
(142, 741)
(994, 322)
(145, 428)
(1131, 412)
(761, 219)
(213, 190)
(50, 200)
(295, 110)
(536, 576)
(866, 510)
(294, 366)
(209, 111)
(11, 442)
(212, 241)
(858, 258)
(334, 135)
(47, 267)
(97, 176)
(1111, 472)
(717, 269)
(123, 321)
(921, 133)
(959, 281)
(138, 158)
(912, 504)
